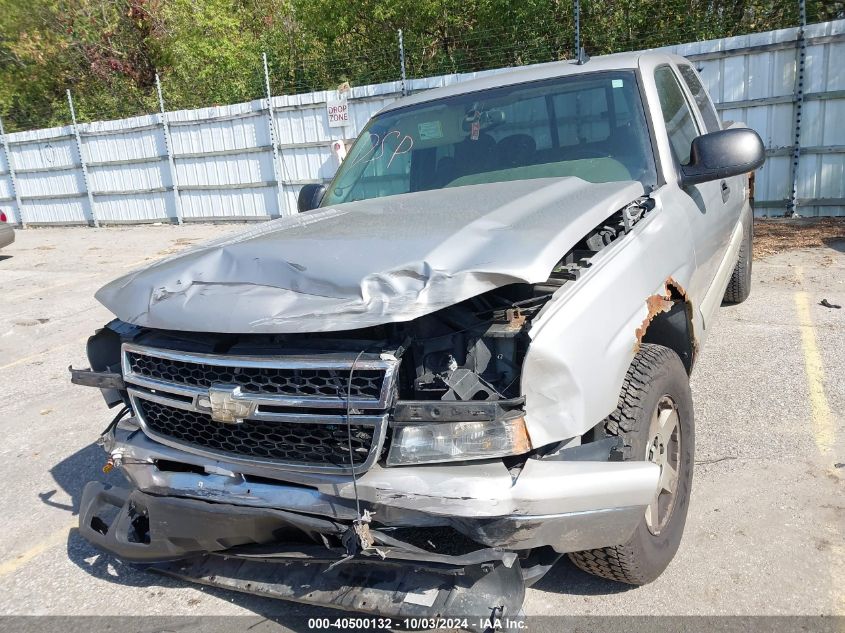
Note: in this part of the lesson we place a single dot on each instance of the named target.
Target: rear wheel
(739, 287)
(654, 418)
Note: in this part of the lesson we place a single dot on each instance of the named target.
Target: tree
(209, 51)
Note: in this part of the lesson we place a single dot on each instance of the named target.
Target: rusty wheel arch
(669, 322)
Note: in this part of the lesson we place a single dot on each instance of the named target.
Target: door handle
(726, 191)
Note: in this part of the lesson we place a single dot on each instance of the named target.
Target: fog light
(458, 441)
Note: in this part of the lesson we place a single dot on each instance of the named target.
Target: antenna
(583, 58)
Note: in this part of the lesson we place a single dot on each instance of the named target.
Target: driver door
(709, 213)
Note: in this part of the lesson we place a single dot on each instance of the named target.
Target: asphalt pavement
(765, 530)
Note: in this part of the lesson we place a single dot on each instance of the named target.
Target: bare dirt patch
(776, 235)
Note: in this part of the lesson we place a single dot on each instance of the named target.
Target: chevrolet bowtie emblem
(228, 404)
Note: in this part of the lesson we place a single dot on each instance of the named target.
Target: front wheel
(654, 418)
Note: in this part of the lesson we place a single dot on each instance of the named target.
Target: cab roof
(536, 72)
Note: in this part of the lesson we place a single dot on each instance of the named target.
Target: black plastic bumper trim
(151, 529)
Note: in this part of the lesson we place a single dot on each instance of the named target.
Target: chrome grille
(290, 442)
(277, 411)
(274, 380)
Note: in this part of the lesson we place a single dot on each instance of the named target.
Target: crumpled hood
(369, 262)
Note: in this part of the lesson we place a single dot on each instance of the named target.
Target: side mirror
(723, 154)
(310, 197)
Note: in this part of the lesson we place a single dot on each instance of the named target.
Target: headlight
(457, 441)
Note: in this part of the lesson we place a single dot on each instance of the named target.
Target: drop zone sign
(338, 113)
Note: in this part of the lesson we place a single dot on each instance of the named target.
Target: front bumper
(568, 505)
(182, 538)
(282, 534)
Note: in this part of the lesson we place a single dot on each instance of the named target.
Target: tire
(656, 374)
(739, 287)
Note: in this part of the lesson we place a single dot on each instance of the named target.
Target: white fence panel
(236, 204)
(36, 151)
(7, 194)
(224, 162)
(49, 176)
(220, 134)
(225, 170)
(65, 210)
(127, 170)
(134, 177)
(822, 175)
(133, 208)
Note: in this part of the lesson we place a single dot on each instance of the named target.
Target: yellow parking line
(25, 359)
(822, 425)
(822, 419)
(55, 539)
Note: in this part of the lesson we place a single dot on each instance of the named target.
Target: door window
(680, 124)
(702, 100)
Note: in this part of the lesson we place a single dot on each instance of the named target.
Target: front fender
(585, 338)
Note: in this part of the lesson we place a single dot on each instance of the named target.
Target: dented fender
(584, 340)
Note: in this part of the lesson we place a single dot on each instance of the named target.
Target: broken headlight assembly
(433, 442)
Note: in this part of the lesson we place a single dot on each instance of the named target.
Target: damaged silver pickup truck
(467, 356)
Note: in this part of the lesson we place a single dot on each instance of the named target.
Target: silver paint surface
(369, 262)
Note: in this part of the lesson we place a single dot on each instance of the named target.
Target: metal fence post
(798, 107)
(85, 177)
(577, 9)
(402, 62)
(168, 146)
(12, 177)
(275, 140)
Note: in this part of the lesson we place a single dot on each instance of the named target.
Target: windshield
(591, 126)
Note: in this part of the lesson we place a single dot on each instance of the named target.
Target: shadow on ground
(566, 578)
(74, 472)
(836, 243)
(71, 475)
(290, 616)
